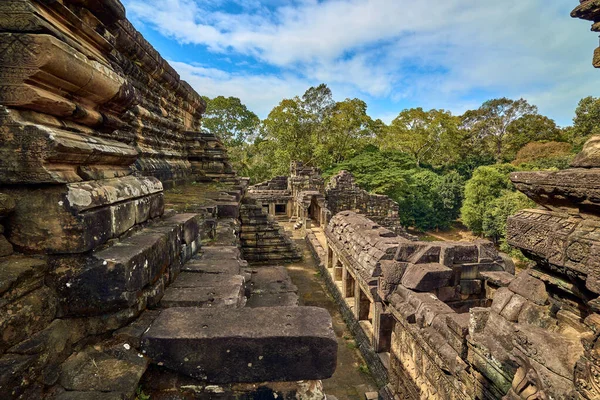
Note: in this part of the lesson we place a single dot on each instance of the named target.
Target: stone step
(230, 267)
(249, 345)
(271, 287)
(271, 280)
(256, 300)
(192, 280)
(226, 296)
(137, 267)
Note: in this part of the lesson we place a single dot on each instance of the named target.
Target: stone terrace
(120, 230)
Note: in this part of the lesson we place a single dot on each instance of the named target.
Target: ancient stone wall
(94, 125)
(342, 193)
(411, 301)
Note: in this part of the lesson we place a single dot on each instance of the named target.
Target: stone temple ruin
(121, 243)
(131, 254)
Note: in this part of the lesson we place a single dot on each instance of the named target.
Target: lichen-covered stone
(244, 345)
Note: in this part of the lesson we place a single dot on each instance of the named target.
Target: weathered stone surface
(426, 277)
(589, 156)
(272, 300)
(83, 215)
(26, 316)
(6, 248)
(529, 287)
(7, 204)
(250, 345)
(224, 295)
(342, 193)
(131, 265)
(263, 240)
(115, 369)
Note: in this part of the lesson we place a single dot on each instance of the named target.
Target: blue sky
(394, 54)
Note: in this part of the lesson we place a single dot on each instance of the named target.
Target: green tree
(585, 123)
(527, 129)
(492, 124)
(422, 134)
(349, 130)
(496, 214)
(487, 184)
(230, 120)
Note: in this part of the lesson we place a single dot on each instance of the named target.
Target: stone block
(270, 280)
(116, 369)
(129, 265)
(497, 278)
(78, 217)
(458, 253)
(132, 333)
(501, 298)
(272, 300)
(529, 287)
(533, 314)
(7, 205)
(229, 267)
(20, 275)
(249, 345)
(426, 277)
(193, 280)
(26, 316)
(512, 309)
(228, 296)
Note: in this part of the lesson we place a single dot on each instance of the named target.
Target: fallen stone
(426, 277)
(249, 345)
(512, 309)
(529, 287)
(19, 275)
(497, 278)
(26, 316)
(117, 369)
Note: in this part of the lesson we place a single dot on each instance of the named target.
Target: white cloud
(436, 53)
(259, 92)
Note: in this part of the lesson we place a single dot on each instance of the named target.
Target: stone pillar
(347, 284)
(362, 304)
(272, 209)
(383, 325)
(329, 258)
(338, 271)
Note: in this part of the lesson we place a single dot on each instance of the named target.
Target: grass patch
(351, 344)
(364, 368)
(140, 395)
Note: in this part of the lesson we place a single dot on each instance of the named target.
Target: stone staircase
(262, 239)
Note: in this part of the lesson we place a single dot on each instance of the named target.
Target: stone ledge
(248, 345)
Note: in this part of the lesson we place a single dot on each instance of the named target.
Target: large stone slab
(79, 217)
(129, 266)
(426, 277)
(224, 295)
(248, 345)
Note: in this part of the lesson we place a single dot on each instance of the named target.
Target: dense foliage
(439, 167)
